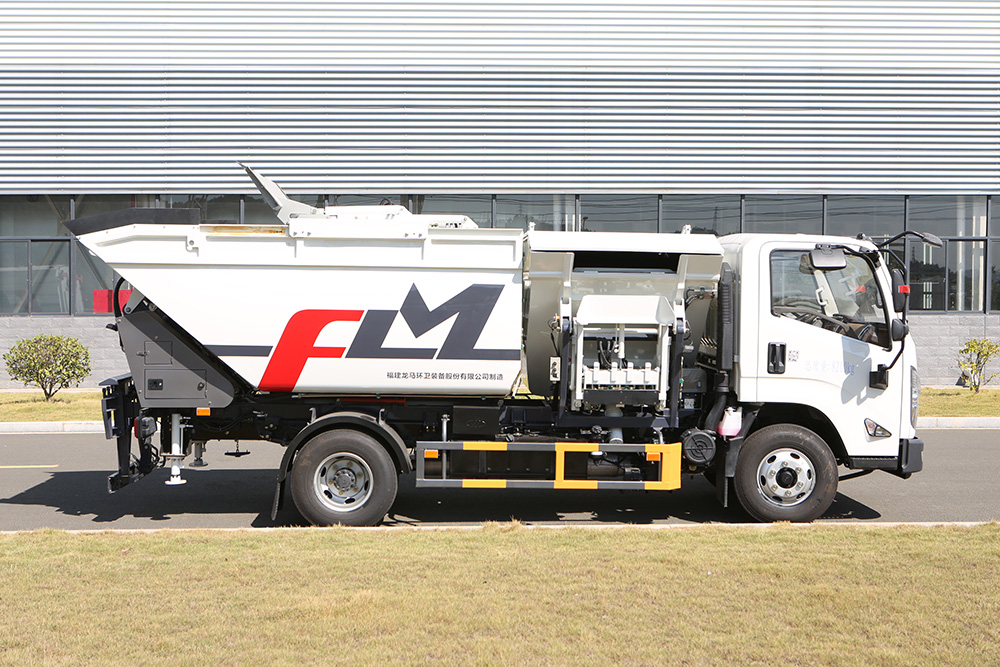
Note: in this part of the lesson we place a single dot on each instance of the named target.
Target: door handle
(776, 358)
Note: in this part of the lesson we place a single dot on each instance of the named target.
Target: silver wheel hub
(345, 479)
(786, 477)
(343, 482)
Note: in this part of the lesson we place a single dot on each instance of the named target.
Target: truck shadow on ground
(208, 493)
(214, 493)
(695, 502)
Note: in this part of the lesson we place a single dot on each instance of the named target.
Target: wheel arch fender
(805, 416)
(358, 421)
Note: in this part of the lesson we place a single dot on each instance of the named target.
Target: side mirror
(931, 240)
(826, 258)
(898, 329)
(900, 290)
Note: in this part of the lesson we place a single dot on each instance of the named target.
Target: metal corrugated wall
(742, 97)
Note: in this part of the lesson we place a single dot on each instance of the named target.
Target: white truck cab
(820, 348)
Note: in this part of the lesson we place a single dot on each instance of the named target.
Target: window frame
(873, 269)
(988, 240)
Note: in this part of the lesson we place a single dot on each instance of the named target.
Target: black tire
(785, 473)
(343, 477)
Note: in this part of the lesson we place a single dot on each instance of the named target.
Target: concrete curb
(958, 422)
(22, 428)
(51, 427)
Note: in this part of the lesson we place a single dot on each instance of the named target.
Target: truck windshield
(847, 301)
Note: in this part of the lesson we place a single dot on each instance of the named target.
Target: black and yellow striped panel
(668, 455)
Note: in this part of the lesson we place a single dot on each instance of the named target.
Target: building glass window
(927, 277)
(548, 212)
(947, 215)
(50, 277)
(45, 274)
(618, 213)
(878, 217)
(256, 211)
(477, 207)
(367, 200)
(13, 277)
(33, 215)
(783, 214)
(212, 207)
(87, 205)
(966, 275)
(995, 275)
(707, 214)
(93, 283)
(35, 263)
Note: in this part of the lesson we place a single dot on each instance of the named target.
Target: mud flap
(726, 469)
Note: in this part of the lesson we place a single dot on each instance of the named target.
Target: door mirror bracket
(879, 379)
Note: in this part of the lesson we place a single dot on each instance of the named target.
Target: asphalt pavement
(58, 480)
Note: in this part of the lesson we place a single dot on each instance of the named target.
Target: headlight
(914, 395)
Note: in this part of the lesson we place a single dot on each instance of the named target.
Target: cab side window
(846, 301)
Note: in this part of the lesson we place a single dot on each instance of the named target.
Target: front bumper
(909, 460)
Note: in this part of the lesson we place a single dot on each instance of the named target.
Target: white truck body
(582, 360)
(238, 289)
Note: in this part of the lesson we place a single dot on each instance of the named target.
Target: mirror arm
(929, 239)
(879, 379)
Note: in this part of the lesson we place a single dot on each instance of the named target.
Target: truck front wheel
(343, 477)
(785, 473)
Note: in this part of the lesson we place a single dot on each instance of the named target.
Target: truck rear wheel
(343, 477)
(785, 473)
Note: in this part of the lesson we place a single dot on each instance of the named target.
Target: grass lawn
(30, 406)
(505, 594)
(959, 402)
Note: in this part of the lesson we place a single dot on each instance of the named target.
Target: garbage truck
(371, 343)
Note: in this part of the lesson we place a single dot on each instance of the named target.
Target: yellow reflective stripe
(484, 484)
(485, 446)
(561, 482)
(670, 467)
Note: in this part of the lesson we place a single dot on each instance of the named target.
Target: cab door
(821, 334)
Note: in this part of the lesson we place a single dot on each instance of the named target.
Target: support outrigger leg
(120, 410)
(121, 417)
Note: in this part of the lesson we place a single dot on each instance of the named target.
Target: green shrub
(973, 359)
(50, 362)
